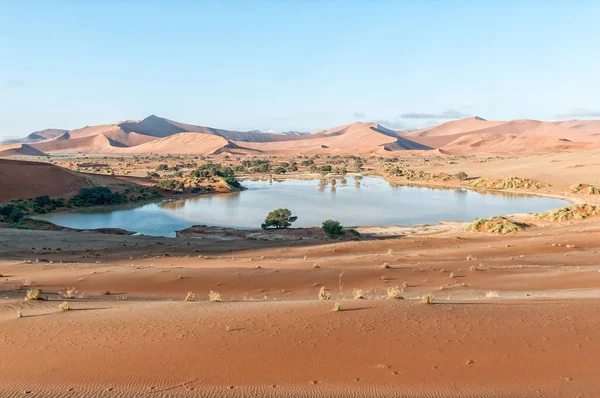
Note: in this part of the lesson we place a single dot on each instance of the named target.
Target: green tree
(333, 228)
(280, 218)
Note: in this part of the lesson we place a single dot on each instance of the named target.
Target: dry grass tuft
(34, 294)
(394, 293)
(358, 294)
(323, 295)
(214, 296)
(337, 307)
(64, 306)
(190, 296)
(68, 293)
(428, 299)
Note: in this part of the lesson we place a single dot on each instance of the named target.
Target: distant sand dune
(466, 136)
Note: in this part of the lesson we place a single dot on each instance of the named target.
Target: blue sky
(301, 65)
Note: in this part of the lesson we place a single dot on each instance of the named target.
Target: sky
(295, 65)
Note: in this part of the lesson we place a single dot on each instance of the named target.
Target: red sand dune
(17, 150)
(511, 143)
(24, 180)
(184, 143)
(357, 138)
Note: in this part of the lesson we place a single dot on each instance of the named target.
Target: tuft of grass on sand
(386, 265)
(190, 296)
(214, 296)
(394, 293)
(428, 299)
(358, 294)
(34, 294)
(323, 295)
(106, 293)
(64, 306)
(19, 314)
(495, 225)
(68, 293)
(337, 307)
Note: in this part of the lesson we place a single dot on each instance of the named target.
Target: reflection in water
(375, 203)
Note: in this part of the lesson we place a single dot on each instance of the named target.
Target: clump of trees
(97, 196)
(171, 185)
(211, 170)
(11, 213)
(280, 218)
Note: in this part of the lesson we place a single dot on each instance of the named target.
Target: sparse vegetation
(190, 296)
(495, 225)
(337, 307)
(568, 213)
(428, 299)
(358, 294)
(507, 183)
(64, 306)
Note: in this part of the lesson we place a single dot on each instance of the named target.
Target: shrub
(64, 306)
(337, 307)
(358, 294)
(461, 175)
(333, 228)
(428, 299)
(280, 218)
(279, 170)
(190, 296)
(495, 225)
(162, 167)
(573, 212)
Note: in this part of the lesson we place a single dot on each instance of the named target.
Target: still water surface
(352, 201)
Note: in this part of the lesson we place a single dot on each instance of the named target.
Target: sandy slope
(455, 127)
(17, 150)
(356, 138)
(511, 143)
(183, 143)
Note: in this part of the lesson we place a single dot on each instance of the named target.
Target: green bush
(333, 228)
